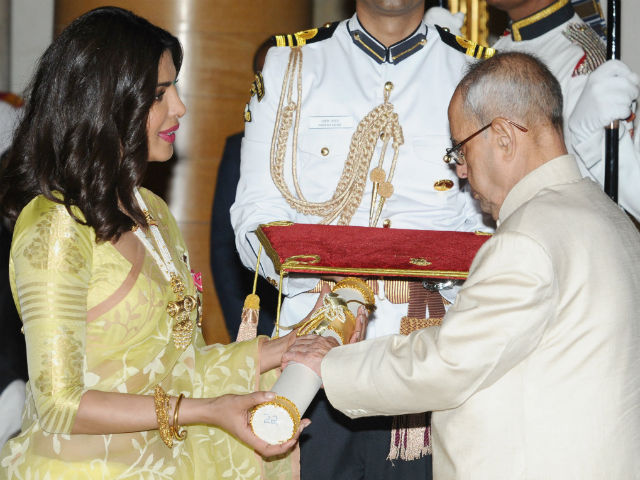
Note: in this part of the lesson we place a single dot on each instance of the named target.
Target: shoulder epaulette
(595, 51)
(306, 36)
(465, 46)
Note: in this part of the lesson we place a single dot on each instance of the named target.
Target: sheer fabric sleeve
(51, 259)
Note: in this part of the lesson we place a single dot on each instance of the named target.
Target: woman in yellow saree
(121, 384)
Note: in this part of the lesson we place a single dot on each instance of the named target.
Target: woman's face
(167, 108)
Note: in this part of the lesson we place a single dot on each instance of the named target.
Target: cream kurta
(534, 371)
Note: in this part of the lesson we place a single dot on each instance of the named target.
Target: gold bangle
(177, 433)
(161, 401)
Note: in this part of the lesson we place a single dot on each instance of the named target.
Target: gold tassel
(250, 310)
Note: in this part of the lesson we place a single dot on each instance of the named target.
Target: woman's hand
(231, 412)
(272, 349)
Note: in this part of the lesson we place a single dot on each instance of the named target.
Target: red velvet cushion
(370, 251)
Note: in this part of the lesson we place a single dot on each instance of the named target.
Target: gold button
(388, 86)
(327, 25)
(324, 152)
(356, 36)
(443, 185)
(386, 223)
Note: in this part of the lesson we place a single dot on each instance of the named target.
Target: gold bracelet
(177, 433)
(162, 404)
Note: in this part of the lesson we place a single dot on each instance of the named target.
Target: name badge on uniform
(329, 122)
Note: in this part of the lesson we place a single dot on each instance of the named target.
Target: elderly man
(534, 371)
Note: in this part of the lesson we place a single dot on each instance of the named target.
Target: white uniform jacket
(534, 371)
(564, 58)
(342, 81)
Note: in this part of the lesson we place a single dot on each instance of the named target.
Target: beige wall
(31, 32)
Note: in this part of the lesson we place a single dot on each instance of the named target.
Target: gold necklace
(179, 309)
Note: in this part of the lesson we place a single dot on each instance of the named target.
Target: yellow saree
(93, 320)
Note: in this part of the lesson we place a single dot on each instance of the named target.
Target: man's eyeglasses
(454, 154)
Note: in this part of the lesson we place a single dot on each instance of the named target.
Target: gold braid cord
(379, 124)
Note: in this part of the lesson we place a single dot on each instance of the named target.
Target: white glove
(607, 96)
(444, 18)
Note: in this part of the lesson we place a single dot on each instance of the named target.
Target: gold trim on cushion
(266, 244)
(398, 272)
(420, 261)
(295, 260)
(298, 266)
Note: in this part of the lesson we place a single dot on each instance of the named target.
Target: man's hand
(361, 325)
(232, 414)
(607, 96)
(309, 350)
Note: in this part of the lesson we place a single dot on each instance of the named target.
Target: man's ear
(504, 135)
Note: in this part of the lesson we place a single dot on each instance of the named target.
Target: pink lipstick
(169, 135)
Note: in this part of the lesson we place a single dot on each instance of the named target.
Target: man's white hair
(512, 85)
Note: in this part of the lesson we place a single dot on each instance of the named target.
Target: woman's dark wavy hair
(84, 130)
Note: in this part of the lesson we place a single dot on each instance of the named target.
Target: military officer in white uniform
(311, 154)
(595, 93)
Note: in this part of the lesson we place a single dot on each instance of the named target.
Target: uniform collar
(542, 21)
(560, 170)
(396, 53)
